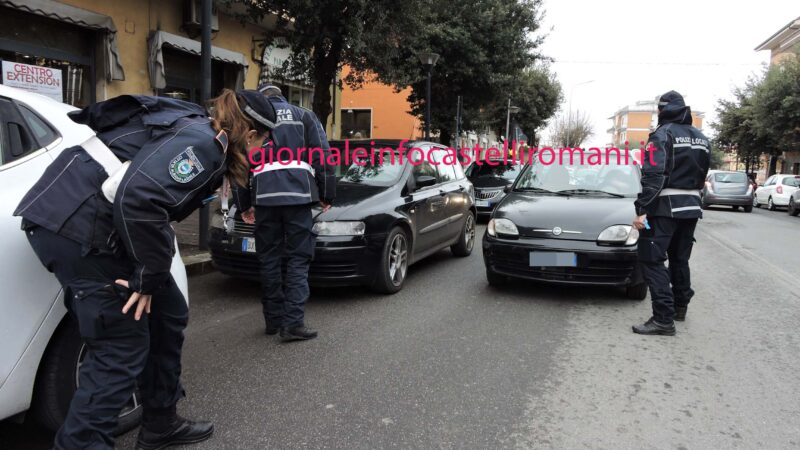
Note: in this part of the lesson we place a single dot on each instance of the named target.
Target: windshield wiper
(592, 191)
(533, 189)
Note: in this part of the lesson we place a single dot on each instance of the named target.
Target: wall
(390, 110)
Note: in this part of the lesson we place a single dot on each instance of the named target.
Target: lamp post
(428, 60)
(569, 117)
(511, 110)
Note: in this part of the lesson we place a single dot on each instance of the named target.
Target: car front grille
(486, 195)
(589, 270)
(240, 226)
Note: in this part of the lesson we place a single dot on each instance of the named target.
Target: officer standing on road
(282, 195)
(99, 219)
(667, 211)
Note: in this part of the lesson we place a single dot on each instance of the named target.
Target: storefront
(297, 91)
(47, 47)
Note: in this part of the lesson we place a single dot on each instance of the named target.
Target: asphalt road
(451, 363)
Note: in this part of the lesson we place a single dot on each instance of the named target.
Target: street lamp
(569, 117)
(428, 60)
(511, 110)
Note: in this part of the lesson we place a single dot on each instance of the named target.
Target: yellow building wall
(391, 118)
(135, 19)
(639, 120)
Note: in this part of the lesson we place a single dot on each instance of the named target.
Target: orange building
(634, 123)
(376, 111)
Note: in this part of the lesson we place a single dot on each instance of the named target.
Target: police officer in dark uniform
(667, 210)
(282, 194)
(99, 219)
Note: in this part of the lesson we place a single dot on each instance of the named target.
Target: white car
(41, 348)
(776, 191)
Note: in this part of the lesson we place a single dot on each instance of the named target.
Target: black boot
(651, 327)
(680, 313)
(181, 431)
(297, 334)
(272, 330)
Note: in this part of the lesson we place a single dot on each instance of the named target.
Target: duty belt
(115, 169)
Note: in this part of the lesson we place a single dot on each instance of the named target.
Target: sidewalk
(197, 261)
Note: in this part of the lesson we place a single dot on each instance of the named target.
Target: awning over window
(112, 65)
(158, 39)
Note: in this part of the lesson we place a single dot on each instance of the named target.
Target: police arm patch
(186, 166)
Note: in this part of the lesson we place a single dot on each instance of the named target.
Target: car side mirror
(425, 181)
(507, 188)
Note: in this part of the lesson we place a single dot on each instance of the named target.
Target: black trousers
(667, 239)
(120, 350)
(284, 231)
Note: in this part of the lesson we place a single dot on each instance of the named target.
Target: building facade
(633, 124)
(83, 51)
(376, 111)
(785, 45)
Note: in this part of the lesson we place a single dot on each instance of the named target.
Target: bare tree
(572, 131)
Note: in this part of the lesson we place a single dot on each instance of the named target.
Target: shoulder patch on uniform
(222, 140)
(184, 167)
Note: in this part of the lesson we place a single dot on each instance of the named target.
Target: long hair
(228, 116)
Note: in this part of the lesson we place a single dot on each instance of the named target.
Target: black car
(568, 224)
(490, 178)
(386, 216)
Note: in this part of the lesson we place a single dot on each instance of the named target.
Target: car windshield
(494, 170)
(615, 179)
(371, 172)
(730, 177)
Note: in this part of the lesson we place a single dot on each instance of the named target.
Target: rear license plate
(482, 203)
(249, 245)
(553, 259)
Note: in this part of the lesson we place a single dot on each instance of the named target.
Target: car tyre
(466, 240)
(393, 266)
(636, 291)
(748, 208)
(494, 279)
(770, 204)
(57, 381)
(792, 209)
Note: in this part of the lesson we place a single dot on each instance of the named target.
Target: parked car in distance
(794, 203)
(727, 188)
(491, 177)
(776, 191)
(560, 227)
(387, 215)
(42, 348)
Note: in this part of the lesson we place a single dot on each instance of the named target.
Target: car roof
(379, 142)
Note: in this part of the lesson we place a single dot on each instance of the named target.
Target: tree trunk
(326, 65)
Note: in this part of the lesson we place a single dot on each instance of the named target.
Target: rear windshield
(791, 181)
(730, 177)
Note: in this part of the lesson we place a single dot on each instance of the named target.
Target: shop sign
(41, 80)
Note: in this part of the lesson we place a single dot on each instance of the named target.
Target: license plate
(553, 259)
(482, 203)
(249, 245)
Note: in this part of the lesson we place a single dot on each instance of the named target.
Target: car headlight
(339, 228)
(619, 234)
(502, 226)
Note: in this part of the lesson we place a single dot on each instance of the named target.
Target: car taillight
(749, 189)
(708, 186)
(779, 189)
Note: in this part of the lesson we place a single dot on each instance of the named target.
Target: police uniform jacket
(176, 161)
(675, 169)
(294, 170)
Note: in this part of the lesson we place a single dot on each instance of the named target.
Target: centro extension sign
(38, 79)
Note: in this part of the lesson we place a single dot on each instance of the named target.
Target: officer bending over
(669, 205)
(103, 228)
(283, 194)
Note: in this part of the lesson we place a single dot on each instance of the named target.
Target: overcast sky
(635, 50)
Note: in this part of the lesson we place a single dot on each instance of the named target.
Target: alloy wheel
(398, 259)
(469, 232)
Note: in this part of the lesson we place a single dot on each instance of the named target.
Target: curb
(198, 264)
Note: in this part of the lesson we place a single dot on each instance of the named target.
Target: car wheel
(394, 263)
(494, 278)
(748, 208)
(770, 204)
(58, 380)
(466, 240)
(792, 209)
(636, 291)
